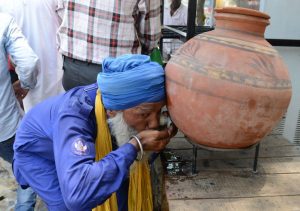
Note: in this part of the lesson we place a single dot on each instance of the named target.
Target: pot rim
(242, 11)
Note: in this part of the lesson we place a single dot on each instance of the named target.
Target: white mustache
(120, 129)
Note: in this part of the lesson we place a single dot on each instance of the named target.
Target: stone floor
(8, 188)
(225, 180)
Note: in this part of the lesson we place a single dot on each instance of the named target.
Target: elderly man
(59, 140)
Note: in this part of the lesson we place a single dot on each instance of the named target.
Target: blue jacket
(60, 133)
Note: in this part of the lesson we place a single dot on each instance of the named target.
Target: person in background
(39, 21)
(94, 30)
(61, 142)
(13, 42)
(175, 14)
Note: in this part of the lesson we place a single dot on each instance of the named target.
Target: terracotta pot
(228, 88)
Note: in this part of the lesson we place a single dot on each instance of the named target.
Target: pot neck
(242, 19)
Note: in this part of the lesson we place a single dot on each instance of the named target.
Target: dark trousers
(79, 73)
(6, 149)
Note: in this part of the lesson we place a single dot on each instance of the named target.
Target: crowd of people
(81, 80)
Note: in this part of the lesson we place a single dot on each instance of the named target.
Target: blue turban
(130, 80)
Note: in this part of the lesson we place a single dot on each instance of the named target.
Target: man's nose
(153, 123)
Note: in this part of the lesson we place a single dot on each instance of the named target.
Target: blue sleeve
(85, 183)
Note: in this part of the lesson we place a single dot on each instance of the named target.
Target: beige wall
(291, 57)
(285, 18)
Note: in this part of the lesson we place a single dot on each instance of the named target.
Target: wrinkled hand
(155, 140)
(19, 91)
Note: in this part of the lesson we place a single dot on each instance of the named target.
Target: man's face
(143, 116)
(120, 129)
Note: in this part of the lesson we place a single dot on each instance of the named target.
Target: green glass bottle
(155, 56)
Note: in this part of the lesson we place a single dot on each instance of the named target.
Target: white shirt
(179, 17)
(39, 21)
(13, 42)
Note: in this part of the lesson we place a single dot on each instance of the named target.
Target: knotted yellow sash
(140, 191)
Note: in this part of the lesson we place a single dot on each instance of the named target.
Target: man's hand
(19, 92)
(155, 140)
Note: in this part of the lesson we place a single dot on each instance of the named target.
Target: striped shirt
(92, 30)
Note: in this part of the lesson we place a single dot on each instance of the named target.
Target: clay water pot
(229, 87)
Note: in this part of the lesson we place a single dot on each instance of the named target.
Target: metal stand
(184, 33)
(255, 158)
(197, 146)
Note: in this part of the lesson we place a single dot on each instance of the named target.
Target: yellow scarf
(140, 190)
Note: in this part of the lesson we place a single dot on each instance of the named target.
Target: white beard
(120, 129)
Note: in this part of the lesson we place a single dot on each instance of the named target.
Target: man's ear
(111, 113)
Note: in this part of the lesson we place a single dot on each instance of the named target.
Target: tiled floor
(225, 180)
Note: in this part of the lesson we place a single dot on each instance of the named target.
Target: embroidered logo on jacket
(80, 147)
